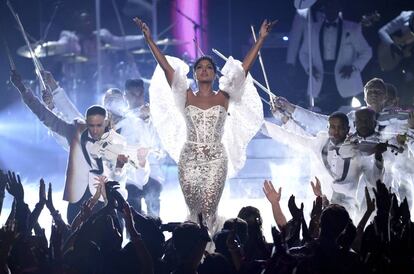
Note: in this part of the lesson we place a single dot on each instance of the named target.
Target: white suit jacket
(78, 175)
(138, 176)
(353, 50)
(297, 30)
(359, 165)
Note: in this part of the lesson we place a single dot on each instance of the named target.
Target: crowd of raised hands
(331, 243)
(93, 243)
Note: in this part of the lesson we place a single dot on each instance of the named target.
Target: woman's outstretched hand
(266, 28)
(144, 28)
(156, 52)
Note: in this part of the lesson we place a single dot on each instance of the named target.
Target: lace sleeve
(233, 79)
(180, 83)
(167, 105)
(245, 114)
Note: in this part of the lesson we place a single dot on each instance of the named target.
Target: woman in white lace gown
(193, 127)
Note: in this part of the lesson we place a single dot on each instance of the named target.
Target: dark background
(228, 27)
(23, 139)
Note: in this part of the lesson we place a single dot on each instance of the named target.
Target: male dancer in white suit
(340, 175)
(82, 167)
(340, 53)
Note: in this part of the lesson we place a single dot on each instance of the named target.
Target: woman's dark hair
(184, 237)
(208, 58)
(239, 225)
(251, 215)
(334, 220)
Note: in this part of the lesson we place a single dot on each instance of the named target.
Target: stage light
(189, 20)
(355, 103)
(285, 38)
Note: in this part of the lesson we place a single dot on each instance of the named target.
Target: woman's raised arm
(265, 29)
(158, 55)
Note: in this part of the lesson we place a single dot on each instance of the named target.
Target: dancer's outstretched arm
(265, 29)
(61, 101)
(158, 55)
(48, 118)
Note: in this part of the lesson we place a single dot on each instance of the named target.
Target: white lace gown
(208, 145)
(202, 166)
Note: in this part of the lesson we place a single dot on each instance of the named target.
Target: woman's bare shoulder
(223, 93)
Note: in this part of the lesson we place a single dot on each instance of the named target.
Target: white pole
(263, 69)
(154, 20)
(310, 83)
(98, 48)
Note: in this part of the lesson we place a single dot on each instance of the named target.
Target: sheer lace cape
(243, 122)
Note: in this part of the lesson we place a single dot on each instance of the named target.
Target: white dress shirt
(330, 39)
(110, 170)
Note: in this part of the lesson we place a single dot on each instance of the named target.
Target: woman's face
(204, 71)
